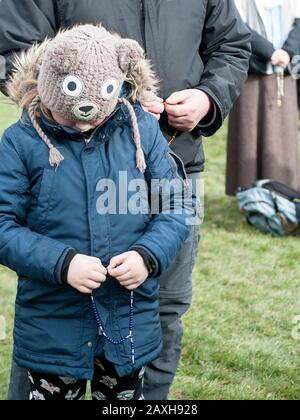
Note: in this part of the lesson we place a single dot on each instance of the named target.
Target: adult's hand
(280, 58)
(154, 107)
(187, 108)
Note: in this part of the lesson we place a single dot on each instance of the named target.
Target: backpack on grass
(271, 207)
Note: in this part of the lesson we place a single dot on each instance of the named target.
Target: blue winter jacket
(46, 212)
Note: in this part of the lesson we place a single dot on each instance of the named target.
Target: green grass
(238, 336)
(8, 114)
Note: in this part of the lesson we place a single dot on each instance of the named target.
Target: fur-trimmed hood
(22, 85)
(79, 75)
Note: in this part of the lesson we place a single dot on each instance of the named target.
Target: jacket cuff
(213, 121)
(62, 267)
(210, 118)
(289, 51)
(149, 260)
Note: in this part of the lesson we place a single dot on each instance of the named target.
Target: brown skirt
(263, 138)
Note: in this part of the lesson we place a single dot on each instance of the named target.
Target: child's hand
(129, 270)
(86, 274)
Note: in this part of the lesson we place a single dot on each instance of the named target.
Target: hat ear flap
(130, 54)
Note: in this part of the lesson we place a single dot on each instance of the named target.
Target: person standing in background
(200, 51)
(263, 126)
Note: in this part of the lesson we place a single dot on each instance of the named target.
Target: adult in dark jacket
(200, 51)
(263, 138)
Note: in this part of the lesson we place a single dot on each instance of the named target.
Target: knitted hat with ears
(81, 77)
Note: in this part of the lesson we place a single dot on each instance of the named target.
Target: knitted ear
(130, 54)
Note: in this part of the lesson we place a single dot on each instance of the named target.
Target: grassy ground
(238, 337)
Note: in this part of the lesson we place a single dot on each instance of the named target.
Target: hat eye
(109, 89)
(72, 86)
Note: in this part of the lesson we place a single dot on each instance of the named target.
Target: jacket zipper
(87, 141)
(143, 22)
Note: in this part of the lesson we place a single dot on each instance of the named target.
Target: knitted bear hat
(80, 76)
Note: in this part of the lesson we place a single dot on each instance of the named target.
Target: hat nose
(86, 109)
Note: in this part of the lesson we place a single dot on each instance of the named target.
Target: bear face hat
(83, 70)
(81, 74)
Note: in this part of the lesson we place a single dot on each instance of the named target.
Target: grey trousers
(176, 289)
(175, 300)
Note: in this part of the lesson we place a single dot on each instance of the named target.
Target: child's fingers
(98, 277)
(128, 283)
(122, 270)
(132, 286)
(131, 283)
(99, 269)
(91, 285)
(85, 290)
(126, 278)
(116, 261)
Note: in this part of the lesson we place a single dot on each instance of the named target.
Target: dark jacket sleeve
(261, 46)
(292, 44)
(22, 23)
(262, 51)
(30, 254)
(225, 51)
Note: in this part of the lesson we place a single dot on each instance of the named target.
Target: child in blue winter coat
(78, 176)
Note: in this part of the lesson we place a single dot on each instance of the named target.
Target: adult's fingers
(179, 120)
(178, 97)
(178, 110)
(157, 116)
(154, 107)
(153, 98)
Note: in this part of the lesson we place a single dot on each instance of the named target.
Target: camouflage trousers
(105, 385)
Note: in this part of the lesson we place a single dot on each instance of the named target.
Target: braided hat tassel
(140, 157)
(55, 157)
